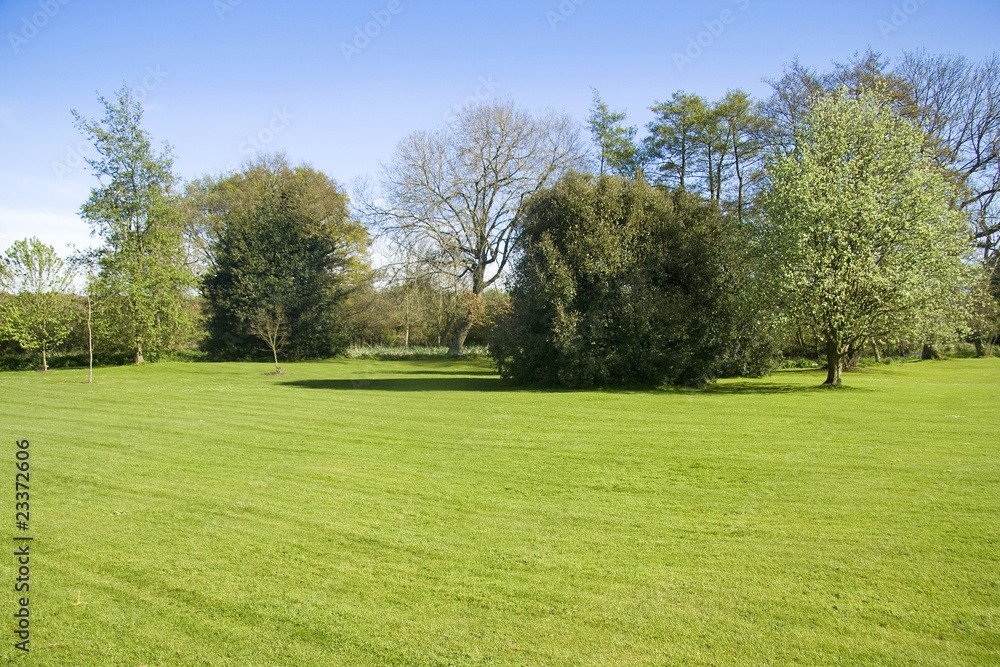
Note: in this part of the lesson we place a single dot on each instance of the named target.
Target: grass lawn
(362, 512)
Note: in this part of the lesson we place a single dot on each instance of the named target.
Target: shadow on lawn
(759, 387)
(492, 374)
(490, 382)
(454, 383)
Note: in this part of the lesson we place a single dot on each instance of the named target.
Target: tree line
(851, 209)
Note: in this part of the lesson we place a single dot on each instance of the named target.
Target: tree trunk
(460, 335)
(470, 314)
(739, 177)
(878, 355)
(274, 351)
(90, 345)
(980, 348)
(406, 319)
(833, 371)
(852, 358)
(440, 318)
(45, 365)
(930, 352)
(138, 353)
(802, 342)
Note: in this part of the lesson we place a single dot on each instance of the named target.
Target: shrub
(621, 283)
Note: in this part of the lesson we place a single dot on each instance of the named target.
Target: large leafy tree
(860, 226)
(618, 283)
(458, 194)
(954, 100)
(143, 280)
(284, 251)
(36, 310)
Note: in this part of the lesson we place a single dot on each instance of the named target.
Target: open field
(418, 513)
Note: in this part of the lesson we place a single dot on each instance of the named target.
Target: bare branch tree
(958, 103)
(268, 324)
(458, 193)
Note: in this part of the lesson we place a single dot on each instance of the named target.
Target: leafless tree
(269, 324)
(958, 103)
(458, 193)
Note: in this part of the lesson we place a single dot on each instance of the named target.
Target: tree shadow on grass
(492, 374)
(760, 387)
(454, 383)
(489, 381)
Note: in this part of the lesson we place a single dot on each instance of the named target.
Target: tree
(797, 90)
(672, 146)
(286, 245)
(957, 103)
(860, 225)
(268, 323)
(38, 311)
(616, 142)
(954, 101)
(618, 283)
(708, 147)
(742, 130)
(142, 278)
(461, 192)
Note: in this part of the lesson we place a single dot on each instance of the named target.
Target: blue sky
(219, 78)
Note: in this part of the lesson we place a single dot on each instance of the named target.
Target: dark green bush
(620, 283)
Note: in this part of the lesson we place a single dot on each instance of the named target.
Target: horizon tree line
(451, 203)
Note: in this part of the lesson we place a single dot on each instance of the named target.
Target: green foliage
(858, 225)
(286, 245)
(672, 145)
(57, 360)
(421, 309)
(618, 283)
(708, 147)
(142, 278)
(35, 310)
(370, 317)
(615, 142)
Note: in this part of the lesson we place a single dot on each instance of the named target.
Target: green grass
(363, 512)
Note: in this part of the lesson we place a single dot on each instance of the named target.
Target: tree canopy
(615, 142)
(35, 310)
(618, 283)
(285, 249)
(142, 276)
(859, 225)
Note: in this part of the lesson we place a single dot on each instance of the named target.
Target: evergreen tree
(284, 258)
